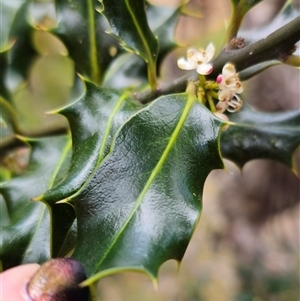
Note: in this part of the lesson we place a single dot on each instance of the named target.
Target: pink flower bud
(219, 78)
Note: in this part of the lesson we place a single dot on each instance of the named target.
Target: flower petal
(240, 90)
(186, 65)
(225, 95)
(204, 69)
(210, 52)
(221, 106)
(228, 70)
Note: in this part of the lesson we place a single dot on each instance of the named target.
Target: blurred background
(246, 246)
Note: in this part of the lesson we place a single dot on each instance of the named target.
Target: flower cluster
(229, 85)
(228, 82)
(198, 60)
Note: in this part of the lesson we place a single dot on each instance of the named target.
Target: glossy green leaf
(82, 30)
(26, 236)
(143, 203)
(258, 135)
(93, 119)
(128, 22)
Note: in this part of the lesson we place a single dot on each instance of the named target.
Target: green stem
(202, 81)
(213, 94)
(236, 18)
(152, 75)
(211, 103)
(95, 71)
(292, 60)
(211, 86)
(201, 95)
(238, 11)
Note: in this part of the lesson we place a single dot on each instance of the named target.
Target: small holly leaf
(259, 135)
(82, 30)
(143, 203)
(129, 25)
(93, 119)
(26, 236)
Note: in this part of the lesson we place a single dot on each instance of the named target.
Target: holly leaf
(129, 25)
(93, 119)
(143, 203)
(82, 30)
(259, 135)
(25, 237)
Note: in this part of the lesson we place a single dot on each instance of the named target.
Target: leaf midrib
(140, 32)
(159, 165)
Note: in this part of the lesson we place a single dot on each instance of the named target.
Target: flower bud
(58, 280)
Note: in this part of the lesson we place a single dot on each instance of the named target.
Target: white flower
(198, 60)
(229, 85)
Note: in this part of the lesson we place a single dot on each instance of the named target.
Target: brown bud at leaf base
(57, 280)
